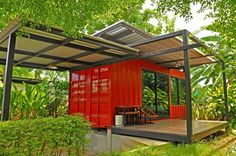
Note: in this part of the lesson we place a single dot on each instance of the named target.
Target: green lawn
(218, 146)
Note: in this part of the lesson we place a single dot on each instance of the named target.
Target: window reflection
(177, 91)
(155, 92)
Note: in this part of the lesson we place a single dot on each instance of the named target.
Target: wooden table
(132, 113)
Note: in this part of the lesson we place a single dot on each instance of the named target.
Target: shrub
(47, 136)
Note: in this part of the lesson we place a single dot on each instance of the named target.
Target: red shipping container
(96, 92)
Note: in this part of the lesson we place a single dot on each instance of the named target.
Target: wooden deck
(172, 129)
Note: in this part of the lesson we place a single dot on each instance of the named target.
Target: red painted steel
(95, 92)
(126, 84)
(73, 100)
(177, 111)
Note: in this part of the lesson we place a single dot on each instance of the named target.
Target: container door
(95, 97)
(73, 97)
(105, 96)
(82, 91)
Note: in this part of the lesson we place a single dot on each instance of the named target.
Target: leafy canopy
(82, 16)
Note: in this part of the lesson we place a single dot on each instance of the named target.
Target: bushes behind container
(46, 136)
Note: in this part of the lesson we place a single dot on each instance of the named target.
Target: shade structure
(174, 58)
(36, 47)
(123, 32)
(166, 47)
(39, 48)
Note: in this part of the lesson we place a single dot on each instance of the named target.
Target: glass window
(155, 92)
(181, 92)
(149, 89)
(174, 91)
(177, 91)
(162, 95)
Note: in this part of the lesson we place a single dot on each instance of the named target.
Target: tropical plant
(58, 92)
(148, 97)
(208, 98)
(29, 102)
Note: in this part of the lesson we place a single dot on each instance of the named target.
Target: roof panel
(94, 58)
(18, 56)
(30, 45)
(67, 65)
(86, 44)
(44, 34)
(64, 52)
(126, 32)
(39, 60)
(56, 45)
(2, 55)
(116, 52)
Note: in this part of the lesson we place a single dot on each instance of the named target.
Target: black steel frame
(10, 62)
(155, 91)
(151, 134)
(8, 77)
(172, 137)
(225, 91)
(187, 89)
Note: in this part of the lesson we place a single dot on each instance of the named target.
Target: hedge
(46, 136)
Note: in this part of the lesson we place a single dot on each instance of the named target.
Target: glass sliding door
(155, 92)
(178, 91)
(162, 95)
(149, 90)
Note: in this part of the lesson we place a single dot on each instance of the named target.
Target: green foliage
(49, 98)
(171, 150)
(162, 99)
(48, 136)
(29, 102)
(148, 97)
(58, 92)
(208, 99)
(83, 16)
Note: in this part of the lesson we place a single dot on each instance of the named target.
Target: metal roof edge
(11, 27)
(123, 22)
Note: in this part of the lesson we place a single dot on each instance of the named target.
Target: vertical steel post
(225, 91)
(187, 88)
(8, 76)
(156, 104)
(109, 139)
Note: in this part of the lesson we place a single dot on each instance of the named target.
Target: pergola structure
(52, 50)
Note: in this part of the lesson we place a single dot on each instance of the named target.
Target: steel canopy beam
(22, 52)
(54, 41)
(44, 50)
(109, 46)
(8, 77)
(105, 62)
(225, 91)
(157, 38)
(187, 88)
(35, 65)
(142, 56)
(171, 50)
(88, 51)
(177, 60)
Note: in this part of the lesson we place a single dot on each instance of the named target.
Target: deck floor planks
(201, 128)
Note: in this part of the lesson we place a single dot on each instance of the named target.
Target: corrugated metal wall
(97, 91)
(90, 95)
(126, 84)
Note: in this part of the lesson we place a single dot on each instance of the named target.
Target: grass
(212, 146)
